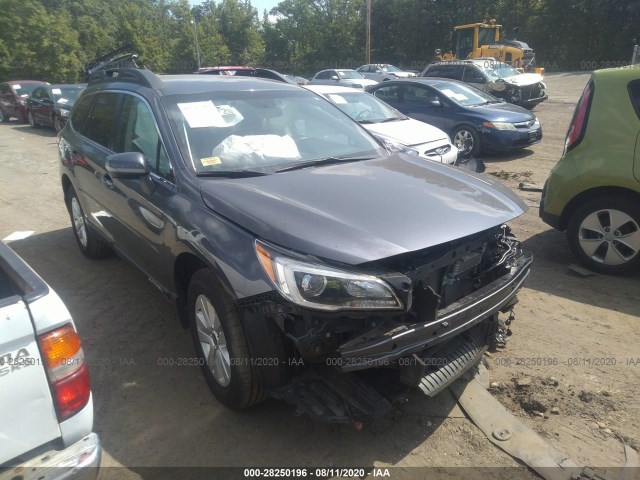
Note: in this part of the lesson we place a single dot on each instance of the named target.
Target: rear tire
(467, 140)
(88, 242)
(220, 343)
(605, 235)
(4, 118)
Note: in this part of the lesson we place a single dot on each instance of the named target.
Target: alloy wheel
(212, 340)
(78, 222)
(609, 237)
(463, 140)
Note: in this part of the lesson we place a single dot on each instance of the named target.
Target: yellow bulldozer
(477, 40)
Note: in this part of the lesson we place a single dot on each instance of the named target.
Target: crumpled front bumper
(383, 346)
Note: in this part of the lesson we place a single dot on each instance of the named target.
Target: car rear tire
(467, 140)
(4, 118)
(88, 242)
(57, 124)
(605, 235)
(220, 343)
(32, 121)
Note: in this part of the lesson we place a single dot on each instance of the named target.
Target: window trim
(155, 122)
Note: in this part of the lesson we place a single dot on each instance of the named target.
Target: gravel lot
(582, 331)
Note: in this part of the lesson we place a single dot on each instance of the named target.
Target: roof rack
(131, 75)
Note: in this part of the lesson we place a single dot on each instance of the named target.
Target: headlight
(64, 113)
(500, 125)
(325, 288)
(395, 147)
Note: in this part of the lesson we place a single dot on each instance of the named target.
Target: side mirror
(46, 100)
(335, 77)
(127, 165)
(434, 103)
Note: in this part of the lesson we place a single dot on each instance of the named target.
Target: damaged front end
(437, 318)
(526, 90)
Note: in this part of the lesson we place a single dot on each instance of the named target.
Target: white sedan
(399, 132)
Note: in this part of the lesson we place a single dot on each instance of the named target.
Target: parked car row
(38, 103)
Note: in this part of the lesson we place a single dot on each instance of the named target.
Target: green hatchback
(593, 192)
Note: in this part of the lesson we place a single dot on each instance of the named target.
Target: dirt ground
(571, 369)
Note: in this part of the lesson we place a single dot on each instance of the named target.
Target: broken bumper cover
(370, 350)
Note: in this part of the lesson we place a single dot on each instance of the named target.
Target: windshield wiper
(321, 161)
(233, 173)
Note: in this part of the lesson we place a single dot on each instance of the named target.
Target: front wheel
(88, 242)
(4, 118)
(466, 140)
(32, 121)
(605, 235)
(220, 343)
(57, 123)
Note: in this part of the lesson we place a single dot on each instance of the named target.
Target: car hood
(506, 112)
(408, 132)
(363, 211)
(365, 82)
(524, 79)
(404, 74)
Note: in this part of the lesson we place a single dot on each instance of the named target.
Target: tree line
(53, 39)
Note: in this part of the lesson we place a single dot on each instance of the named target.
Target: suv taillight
(64, 360)
(579, 121)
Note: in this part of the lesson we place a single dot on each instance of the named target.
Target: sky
(259, 5)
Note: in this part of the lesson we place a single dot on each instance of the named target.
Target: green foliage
(53, 39)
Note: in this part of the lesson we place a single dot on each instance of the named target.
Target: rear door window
(99, 127)
(634, 94)
(80, 112)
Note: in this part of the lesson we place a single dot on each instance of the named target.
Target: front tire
(32, 121)
(4, 118)
(220, 343)
(88, 242)
(467, 140)
(57, 123)
(605, 235)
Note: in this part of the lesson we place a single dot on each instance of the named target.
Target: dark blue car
(475, 120)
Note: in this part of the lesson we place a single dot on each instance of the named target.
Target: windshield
(348, 74)
(24, 88)
(501, 70)
(364, 107)
(464, 95)
(259, 130)
(390, 68)
(66, 96)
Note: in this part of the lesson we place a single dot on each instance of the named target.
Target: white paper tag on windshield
(201, 114)
(56, 91)
(337, 99)
(460, 96)
(62, 100)
(449, 93)
(17, 87)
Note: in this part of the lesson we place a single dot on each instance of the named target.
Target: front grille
(526, 125)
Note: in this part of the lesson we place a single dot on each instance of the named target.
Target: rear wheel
(4, 118)
(466, 139)
(605, 235)
(88, 242)
(220, 343)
